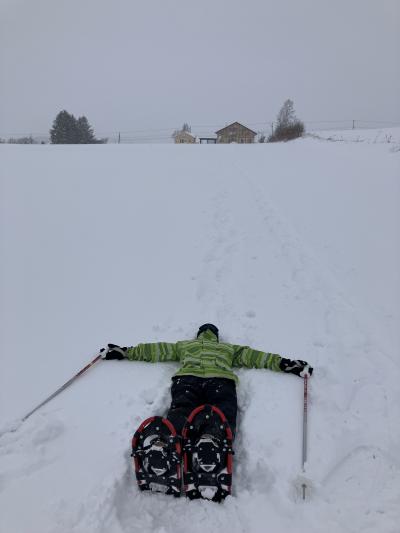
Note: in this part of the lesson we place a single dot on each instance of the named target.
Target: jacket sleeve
(246, 357)
(155, 352)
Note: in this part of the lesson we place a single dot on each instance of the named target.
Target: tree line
(67, 129)
(21, 140)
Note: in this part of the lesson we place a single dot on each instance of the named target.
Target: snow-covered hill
(292, 248)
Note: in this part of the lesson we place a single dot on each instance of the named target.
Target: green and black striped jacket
(205, 357)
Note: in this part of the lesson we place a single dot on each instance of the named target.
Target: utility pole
(353, 124)
(272, 127)
(119, 137)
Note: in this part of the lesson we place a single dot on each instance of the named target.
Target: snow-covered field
(292, 248)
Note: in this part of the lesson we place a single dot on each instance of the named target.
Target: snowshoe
(156, 450)
(207, 454)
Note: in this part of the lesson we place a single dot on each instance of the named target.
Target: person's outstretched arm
(247, 357)
(154, 352)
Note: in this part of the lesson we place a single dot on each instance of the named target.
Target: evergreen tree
(85, 131)
(64, 130)
(69, 130)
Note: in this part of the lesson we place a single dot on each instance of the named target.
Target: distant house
(235, 133)
(184, 137)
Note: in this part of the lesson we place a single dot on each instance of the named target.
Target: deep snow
(292, 248)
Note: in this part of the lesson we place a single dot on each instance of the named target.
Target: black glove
(298, 367)
(113, 352)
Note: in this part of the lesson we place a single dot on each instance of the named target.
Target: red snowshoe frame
(219, 483)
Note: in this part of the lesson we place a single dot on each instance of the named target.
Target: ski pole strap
(63, 387)
(305, 400)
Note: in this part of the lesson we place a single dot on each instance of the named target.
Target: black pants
(188, 392)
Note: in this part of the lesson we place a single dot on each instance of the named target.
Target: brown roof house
(184, 137)
(235, 133)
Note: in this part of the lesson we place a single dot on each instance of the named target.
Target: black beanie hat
(205, 327)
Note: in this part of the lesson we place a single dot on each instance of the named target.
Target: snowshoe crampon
(156, 450)
(207, 454)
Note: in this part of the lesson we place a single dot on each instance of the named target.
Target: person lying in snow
(205, 375)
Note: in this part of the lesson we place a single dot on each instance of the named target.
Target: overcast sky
(147, 66)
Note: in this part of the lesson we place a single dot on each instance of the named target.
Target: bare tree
(185, 127)
(288, 125)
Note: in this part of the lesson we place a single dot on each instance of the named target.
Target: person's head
(210, 327)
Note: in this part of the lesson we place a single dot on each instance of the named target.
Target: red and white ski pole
(63, 387)
(305, 400)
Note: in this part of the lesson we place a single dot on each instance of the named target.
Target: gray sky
(151, 65)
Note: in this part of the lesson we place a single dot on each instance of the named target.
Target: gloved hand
(113, 351)
(298, 367)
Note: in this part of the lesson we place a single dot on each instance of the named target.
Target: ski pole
(305, 400)
(63, 387)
